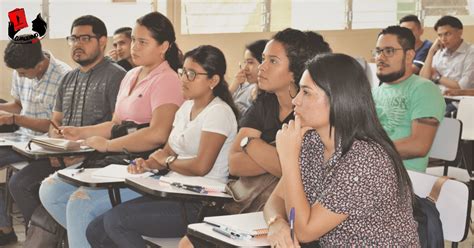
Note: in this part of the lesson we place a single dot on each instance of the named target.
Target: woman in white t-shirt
(203, 131)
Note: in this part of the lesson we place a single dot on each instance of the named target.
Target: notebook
(56, 144)
(208, 184)
(250, 223)
(117, 171)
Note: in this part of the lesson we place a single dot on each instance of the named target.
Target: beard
(394, 76)
(87, 61)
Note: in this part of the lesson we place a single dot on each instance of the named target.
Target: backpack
(43, 231)
(430, 228)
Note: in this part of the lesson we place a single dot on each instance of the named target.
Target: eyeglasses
(191, 75)
(71, 40)
(387, 51)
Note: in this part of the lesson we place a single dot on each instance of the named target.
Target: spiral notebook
(56, 144)
(250, 223)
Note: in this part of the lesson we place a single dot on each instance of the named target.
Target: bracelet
(274, 219)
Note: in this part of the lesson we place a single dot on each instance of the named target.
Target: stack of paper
(56, 144)
(117, 171)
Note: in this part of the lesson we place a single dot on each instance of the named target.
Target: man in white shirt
(450, 60)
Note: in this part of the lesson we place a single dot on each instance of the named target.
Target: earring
(211, 87)
(289, 89)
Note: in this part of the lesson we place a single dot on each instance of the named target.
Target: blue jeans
(75, 207)
(124, 225)
(7, 156)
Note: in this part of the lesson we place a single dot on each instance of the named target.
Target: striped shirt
(37, 96)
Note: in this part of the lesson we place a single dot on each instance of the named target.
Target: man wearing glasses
(86, 96)
(409, 107)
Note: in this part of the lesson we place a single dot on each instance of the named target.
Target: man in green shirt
(409, 107)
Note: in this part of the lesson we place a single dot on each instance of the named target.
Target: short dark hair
(299, 47)
(127, 31)
(404, 35)
(256, 49)
(352, 110)
(24, 56)
(410, 18)
(448, 20)
(98, 26)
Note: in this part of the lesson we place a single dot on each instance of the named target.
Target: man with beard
(86, 96)
(409, 107)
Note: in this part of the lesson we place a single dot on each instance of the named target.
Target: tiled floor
(20, 232)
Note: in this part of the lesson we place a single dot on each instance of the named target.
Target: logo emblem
(18, 22)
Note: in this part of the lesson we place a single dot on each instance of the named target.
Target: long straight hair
(352, 109)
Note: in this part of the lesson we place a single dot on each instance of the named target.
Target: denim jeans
(24, 186)
(75, 207)
(124, 225)
(7, 156)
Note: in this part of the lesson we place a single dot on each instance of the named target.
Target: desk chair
(466, 115)
(162, 242)
(453, 204)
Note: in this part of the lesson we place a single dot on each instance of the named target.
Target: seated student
(86, 96)
(203, 131)
(150, 93)
(122, 41)
(421, 47)
(450, 60)
(36, 77)
(243, 88)
(409, 107)
(282, 65)
(344, 177)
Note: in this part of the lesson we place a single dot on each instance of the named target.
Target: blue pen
(292, 223)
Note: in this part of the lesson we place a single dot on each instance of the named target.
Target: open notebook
(56, 144)
(208, 184)
(252, 224)
(117, 171)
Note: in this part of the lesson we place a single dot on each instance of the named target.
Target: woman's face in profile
(250, 67)
(311, 104)
(274, 74)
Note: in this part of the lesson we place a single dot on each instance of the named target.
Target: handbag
(250, 193)
(126, 127)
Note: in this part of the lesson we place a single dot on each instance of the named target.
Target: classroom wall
(357, 43)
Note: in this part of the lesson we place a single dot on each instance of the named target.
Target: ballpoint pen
(56, 127)
(193, 188)
(228, 232)
(134, 163)
(292, 223)
(80, 170)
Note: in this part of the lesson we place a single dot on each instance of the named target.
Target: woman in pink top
(151, 94)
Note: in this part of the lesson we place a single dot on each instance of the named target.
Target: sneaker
(8, 238)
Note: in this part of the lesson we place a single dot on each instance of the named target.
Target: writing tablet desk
(153, 187)
(203, 234)
(86, 179)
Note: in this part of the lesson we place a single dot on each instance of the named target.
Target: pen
(134, 163)
(78, 171)
(292, 223)
(193, 188)
(56, 127)
(230, 233)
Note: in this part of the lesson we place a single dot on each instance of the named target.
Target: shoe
(8, 238)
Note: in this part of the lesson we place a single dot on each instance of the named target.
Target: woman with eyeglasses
(203, 131)
(244, 85)
(149, 97)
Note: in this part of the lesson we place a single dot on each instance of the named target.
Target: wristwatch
(436, 78)
(245, 142)
(169, 160)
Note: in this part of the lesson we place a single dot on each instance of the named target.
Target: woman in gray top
(243, 87)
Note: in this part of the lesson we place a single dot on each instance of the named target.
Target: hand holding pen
(137, 166)
(57, 130)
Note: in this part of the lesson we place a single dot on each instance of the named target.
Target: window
(318, 14)
(434, 9)
(223, 16)
(114, 15)
(32, 8)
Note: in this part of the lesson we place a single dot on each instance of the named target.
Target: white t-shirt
(185, 137)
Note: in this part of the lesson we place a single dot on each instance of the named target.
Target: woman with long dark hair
(204, 128)
(340, 171)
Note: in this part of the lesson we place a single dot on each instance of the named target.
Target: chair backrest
(446, 142)
(466, 115)
(453, 204)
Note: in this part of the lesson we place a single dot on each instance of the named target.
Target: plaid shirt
(37, 96)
